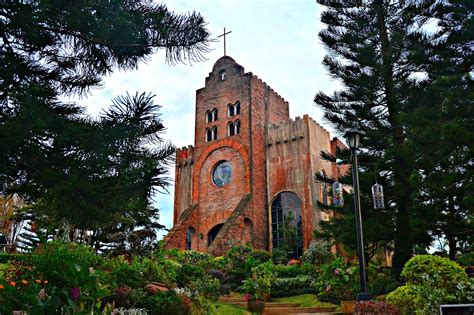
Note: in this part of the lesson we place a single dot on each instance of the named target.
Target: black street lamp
(353, 137)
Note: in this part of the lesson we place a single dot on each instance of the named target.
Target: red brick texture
(270, 155)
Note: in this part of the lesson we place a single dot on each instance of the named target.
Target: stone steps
(276, 308)
(299, 310)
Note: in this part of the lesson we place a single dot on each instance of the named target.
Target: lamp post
(353, 137)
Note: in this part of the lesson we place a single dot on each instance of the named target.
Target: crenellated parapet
(185, 156)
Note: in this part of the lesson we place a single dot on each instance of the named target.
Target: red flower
(12, 283)
(75, 293)
(247, 297)
(24, 282)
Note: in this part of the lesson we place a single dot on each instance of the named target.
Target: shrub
(279, 257)
(282, 271)
(260, 255)
(123, 273)
(188, 273)
(382, 284)
(466, 259)
(237, 267)
(416, 299)
(58, 276)
(318, 252)
(431, 281)
(434, 271)
(164, 303)
(337, 281)
(301, 284)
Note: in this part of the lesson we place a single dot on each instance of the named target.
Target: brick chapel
(250, 166)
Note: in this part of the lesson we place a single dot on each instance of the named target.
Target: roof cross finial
(223, 35)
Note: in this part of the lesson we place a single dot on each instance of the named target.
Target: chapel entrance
(213, 233)
(286, 228)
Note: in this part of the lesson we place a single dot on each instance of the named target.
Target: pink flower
(336, 271)
(328, 288)
(75, 293)
(247, 297)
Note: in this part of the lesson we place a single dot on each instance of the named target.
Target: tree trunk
(401, 167)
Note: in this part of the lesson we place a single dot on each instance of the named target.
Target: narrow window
(208, 116)
(230, 110)
(231, 131)
(237, 127)
(214, 114)
(222, 75)
(237, 108)
(208, 134)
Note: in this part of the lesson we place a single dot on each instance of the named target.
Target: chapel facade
(251, 167)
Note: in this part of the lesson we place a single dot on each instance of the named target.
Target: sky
(277, 40)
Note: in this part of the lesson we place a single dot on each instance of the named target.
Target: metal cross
(224, 34)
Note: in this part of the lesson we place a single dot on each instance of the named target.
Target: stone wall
(183, 180)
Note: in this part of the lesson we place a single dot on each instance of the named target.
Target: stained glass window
(222, 173)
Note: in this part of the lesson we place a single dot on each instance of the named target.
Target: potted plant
(257, 288)
(338, 281)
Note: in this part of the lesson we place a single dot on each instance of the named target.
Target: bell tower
(221, 181)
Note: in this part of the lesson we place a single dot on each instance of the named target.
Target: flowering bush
(258, 287)
(338, 281)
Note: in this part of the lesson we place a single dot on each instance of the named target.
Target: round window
(222, 173)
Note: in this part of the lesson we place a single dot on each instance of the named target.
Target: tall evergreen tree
(369, 52)
(66, 165)
(441, 128)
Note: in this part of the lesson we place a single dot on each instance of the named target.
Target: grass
(227, 309)
(306, 300)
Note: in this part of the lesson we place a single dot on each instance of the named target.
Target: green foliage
(466, 259)
(279, 256)
(318, 252)
(260, 255)
(291, 271)
(164, 303)
(382, 284)
(431, 281)
(301, 284)
(258, 287)
(337, 280)
(434, 271)
(376, 50)
(419, 300)
(59, 276)
(96, 174)
(236, 266)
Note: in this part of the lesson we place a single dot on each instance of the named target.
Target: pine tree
(369, 52)
(67, 166)
(441, 128)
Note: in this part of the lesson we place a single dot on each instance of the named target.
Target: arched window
(233, 109)
(190, 233)
(286, 226)
(211, 235)
(233, 128)
(222, 75)
(211, 115)
(211, 134)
